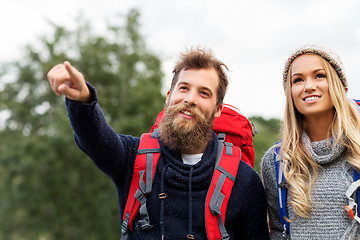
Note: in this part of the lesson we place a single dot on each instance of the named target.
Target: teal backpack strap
(282, 191)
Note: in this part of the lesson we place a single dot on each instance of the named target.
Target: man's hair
(201, 58)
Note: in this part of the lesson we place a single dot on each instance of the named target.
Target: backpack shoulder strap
(282, 191)
(219, 192)
(148, 154)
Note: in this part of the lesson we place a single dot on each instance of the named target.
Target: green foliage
(268, 134)
(49, 189)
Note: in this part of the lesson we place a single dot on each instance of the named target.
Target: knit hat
(326, 54)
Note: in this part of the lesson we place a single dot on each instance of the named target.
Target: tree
(49, 189)
(268, 135)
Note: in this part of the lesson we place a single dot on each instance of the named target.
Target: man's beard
(185, 135)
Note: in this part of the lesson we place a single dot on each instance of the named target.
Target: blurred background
(126, 49)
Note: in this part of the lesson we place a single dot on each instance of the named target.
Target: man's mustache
(195, 112)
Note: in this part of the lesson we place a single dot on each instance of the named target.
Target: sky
(254, 37)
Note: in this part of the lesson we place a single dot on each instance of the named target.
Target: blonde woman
(319, 150)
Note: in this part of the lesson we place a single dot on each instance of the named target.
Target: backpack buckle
(354, 215)
(350, 211)
(144, 224)
(124, 224)
(285, 233)
(221, 137)
(352, 203)
(283, 184)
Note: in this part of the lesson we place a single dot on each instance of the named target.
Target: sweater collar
(178, 172)
(324, 151)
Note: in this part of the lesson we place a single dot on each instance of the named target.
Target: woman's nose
(310, 85)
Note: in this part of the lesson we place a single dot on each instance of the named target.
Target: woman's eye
(296, 80)
(320, 75)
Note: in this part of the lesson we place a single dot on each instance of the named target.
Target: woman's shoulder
(267, 163)
(270, 154)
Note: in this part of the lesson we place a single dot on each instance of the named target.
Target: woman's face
(310, 87)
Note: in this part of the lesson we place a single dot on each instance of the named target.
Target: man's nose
(190, 98)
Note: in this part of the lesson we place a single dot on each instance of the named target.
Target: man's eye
(204, 93)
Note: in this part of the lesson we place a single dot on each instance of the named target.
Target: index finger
(75, 76)
(69, 68)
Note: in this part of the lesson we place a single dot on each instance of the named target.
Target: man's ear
(168, 94)
(219, 108)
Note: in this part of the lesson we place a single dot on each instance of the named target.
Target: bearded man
(188, 152)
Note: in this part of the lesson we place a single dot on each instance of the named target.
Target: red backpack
(236, 127)
(235, 144)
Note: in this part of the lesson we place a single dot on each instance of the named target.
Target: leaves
(268, 134)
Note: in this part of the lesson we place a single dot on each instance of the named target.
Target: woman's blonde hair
(300, 169)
